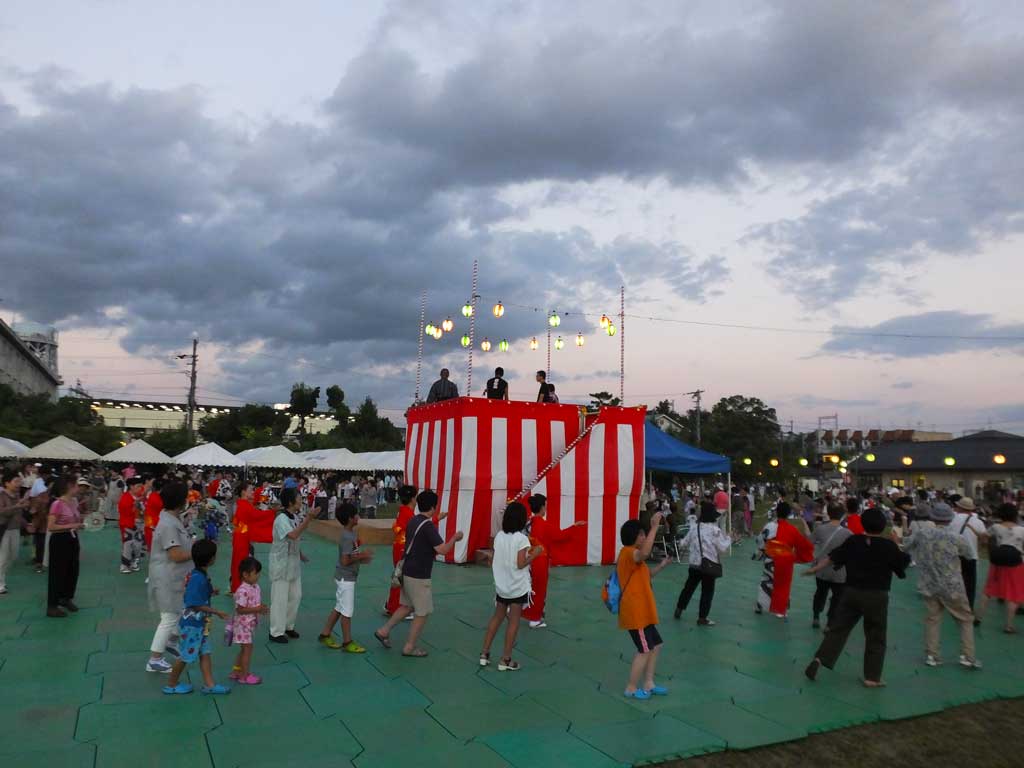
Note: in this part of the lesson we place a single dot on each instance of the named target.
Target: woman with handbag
(1006, 564)
(705, 542)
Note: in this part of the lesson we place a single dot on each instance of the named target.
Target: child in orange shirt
(638, 613)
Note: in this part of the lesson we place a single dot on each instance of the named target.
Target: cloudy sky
(821, 204)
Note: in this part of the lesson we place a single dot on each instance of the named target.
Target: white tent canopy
(339, 459)
(62, 448)
(208, 455)
(384, 461)
(10, 447)
(343, 460)
(139, 452)
(273, 457)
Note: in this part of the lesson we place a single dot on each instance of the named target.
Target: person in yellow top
(638, 613)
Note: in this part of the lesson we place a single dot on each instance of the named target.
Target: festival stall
(138, 452)
(335, 459)
(208, 455)
(663, 452)
(62, 448)
(11, 448)
(479, 453)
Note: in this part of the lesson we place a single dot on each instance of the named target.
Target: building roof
(974, 455)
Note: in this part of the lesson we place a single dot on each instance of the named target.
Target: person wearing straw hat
(971, 529)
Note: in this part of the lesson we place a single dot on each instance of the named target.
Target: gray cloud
(952, 332)
(315, 239)
(813, 401)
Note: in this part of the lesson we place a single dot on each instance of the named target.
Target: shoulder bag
(708, 567)
(398, 572)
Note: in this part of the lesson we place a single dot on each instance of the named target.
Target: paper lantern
(499, 309)
(869, 457)
(579, 339)
(467, 309)
(503, 345)
(533, 343)
(611, 329)
(949, 461)
(447, 325)
(554, 320)
(465, 340)
(485, 345)
(438, 333)
(429, 329)
(748, 462)
(999, 458)
(605, 322)
(559, 343)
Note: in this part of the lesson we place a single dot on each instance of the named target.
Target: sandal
(658, 690)
(416, 653)
(485, 658)
(639, 693)
(1009, 630)
(216, 690)
(873, 684)
(177, 690)
(250, 679)
(507, 665)
(385, 641)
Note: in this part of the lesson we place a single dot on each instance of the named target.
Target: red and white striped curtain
(477, 453)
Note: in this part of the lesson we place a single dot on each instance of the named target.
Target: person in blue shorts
(194, 624)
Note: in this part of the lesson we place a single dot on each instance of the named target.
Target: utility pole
(190, 416)
(696, 398)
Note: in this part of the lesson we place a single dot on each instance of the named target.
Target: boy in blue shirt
(194, 624)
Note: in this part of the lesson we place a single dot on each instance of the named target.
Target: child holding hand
(248, 609)
(194, 625)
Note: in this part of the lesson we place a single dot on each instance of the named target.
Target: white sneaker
(158, 665)
(538, 624)
(135, 567)
(932, 661)
(125, 569)
(410, 617)
(969, 663)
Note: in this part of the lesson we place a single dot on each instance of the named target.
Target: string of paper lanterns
(554, 319)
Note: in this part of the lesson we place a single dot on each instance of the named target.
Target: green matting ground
(73, 692)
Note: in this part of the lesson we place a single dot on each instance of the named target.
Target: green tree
(172, 441)
(336, 402)
(303, 402)
(32, 419)
(599, 399)
(251, 426)
(740, 427)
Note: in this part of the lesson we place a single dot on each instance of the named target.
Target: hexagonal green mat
(76, 693)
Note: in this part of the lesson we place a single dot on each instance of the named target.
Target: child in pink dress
(248, 607)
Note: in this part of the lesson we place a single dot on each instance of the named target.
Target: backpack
(611, 592)
(1003, 555)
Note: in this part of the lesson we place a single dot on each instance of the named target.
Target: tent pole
(728, 490)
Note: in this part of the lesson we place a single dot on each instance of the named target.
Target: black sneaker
(278, 639)
(812, 669)
(677, 613)
(292, 634)
(816, 624)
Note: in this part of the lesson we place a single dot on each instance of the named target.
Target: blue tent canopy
(664, 452)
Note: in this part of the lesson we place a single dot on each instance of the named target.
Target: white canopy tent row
(138, 452)
(208, 455)
(12, 448)
(273, 457)
(61, 448)
(343, 460)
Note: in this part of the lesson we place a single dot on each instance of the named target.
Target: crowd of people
(853, 542)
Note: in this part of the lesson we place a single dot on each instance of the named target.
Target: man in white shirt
(972, 530)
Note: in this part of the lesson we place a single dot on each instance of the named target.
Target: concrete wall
(149, 420)
(21, 370)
